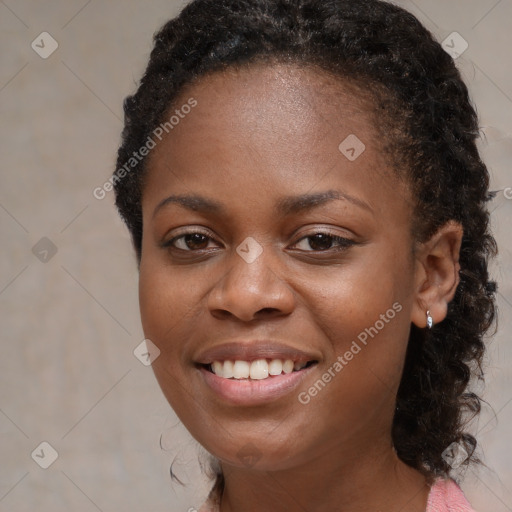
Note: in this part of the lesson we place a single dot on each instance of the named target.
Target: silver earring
(430, 321)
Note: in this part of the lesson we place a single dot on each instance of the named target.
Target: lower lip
(254, 392)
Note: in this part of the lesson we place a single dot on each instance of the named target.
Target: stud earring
(430, 321)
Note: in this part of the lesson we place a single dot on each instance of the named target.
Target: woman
(307, 205)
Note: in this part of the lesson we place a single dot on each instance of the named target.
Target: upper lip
(252, 350)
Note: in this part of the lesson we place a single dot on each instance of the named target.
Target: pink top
(447, 496)
(444, 496)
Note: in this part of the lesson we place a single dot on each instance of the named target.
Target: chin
(253, 452)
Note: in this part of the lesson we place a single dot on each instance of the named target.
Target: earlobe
(437, 274)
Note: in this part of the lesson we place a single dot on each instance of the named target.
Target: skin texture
(257, 135)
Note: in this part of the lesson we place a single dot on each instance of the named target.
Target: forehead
(304, 101)
(289, 126)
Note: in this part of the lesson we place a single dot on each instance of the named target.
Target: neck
(334, 481)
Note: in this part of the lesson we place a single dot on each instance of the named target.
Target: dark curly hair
(428, 128)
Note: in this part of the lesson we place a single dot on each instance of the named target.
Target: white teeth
(275, 367)
(227, 371)
(288, 366)
(241, 370)
(257, 370)
(218, 368)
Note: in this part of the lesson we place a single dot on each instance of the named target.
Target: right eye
(190, 241)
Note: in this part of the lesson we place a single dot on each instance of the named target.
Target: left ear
(436, 274)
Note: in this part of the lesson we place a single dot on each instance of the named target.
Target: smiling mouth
(258, 369)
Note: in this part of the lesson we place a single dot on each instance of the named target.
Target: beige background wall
(69, 325)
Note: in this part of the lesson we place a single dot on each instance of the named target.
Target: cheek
(365, 315)
(167, 300)
(347, 299)
(367, 330)
(167, 308)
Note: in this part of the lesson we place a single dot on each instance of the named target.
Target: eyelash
(343, 243)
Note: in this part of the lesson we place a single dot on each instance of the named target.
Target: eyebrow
(296, 204)
(285, 206)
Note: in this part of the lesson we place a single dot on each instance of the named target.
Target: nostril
(267, 311)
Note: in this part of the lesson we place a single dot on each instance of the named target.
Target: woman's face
(264, 241)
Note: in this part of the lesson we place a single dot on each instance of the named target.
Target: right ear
(437, 274)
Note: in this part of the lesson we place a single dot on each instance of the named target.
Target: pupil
(195, 239)
(320, 242)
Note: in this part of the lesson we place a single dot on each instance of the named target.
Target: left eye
(323, 242)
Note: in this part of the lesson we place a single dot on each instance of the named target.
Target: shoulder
(446, 496)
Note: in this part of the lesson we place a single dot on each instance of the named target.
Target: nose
(251, 291)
